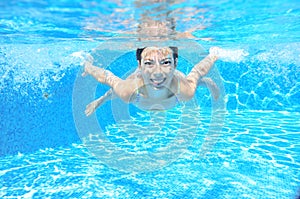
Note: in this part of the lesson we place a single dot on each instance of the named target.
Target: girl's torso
(152, 101)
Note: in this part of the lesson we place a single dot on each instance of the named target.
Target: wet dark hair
(140, 50)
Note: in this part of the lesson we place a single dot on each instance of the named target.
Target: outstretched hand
(215, 51)
(229, 55)
(87, 64)
(91, 107)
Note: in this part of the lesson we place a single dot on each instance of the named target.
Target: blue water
(248, 149)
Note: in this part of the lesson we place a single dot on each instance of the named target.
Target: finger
(87, 113)
(89, 58)
(84, 74)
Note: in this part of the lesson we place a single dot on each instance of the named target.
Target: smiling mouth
(158, 82)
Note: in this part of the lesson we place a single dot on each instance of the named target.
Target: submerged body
(155, 84)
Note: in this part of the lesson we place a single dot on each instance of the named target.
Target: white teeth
(157, 81)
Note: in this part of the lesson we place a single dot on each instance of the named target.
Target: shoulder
(136, 74)
(179, 74)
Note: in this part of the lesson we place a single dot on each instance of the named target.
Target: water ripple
(248, 160)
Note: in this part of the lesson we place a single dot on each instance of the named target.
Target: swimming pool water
(253, 159)
(255, 155)
(258, 158)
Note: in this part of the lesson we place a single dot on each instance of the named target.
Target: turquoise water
(247, 149)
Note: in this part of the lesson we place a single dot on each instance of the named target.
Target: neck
(159, 94)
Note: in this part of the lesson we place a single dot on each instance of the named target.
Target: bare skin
(156, 84)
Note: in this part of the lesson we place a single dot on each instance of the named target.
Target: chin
(158, 87)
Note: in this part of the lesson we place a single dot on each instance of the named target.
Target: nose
(157, 73)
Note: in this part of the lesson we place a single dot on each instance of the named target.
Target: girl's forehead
(151, 52)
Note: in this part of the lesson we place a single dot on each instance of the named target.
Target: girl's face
(157, 67)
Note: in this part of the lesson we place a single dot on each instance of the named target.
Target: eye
(167, 62)
(148, 63)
